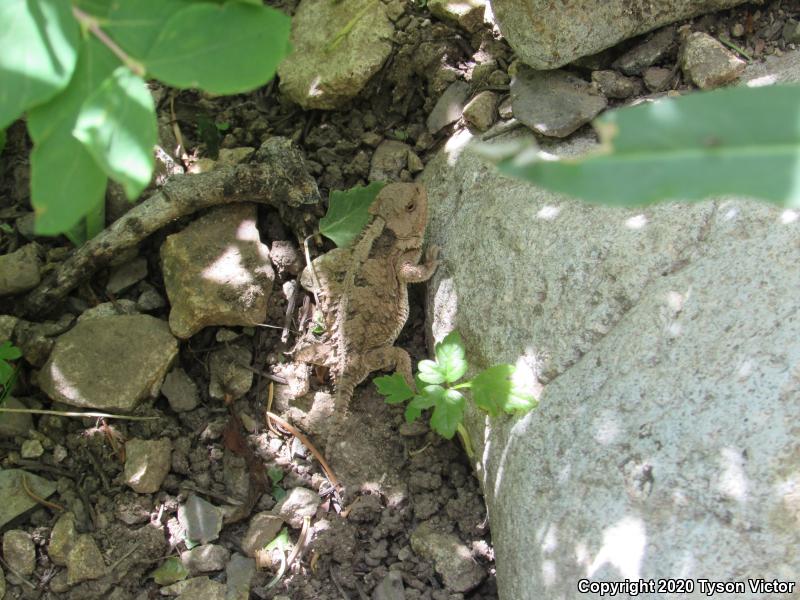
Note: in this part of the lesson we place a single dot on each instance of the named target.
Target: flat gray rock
(547, 34)
(654, 49)
(201, 519)
(13, 500)
(109, 363)
(449, 106)
(327, 66)
(707, 63)
(20, 270)
(554, 103)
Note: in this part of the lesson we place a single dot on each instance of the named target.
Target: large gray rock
(337, 47)
(548, 34)
(666, 344)
(109, 363)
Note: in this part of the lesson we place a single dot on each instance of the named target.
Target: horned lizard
(363, 290)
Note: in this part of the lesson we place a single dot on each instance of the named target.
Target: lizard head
(404, 208)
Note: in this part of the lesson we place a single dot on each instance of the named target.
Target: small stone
(229, 373)
(125, 275)
(468, 14)
(451, 559)
(147, 464)
(554, 103)
(482, 71)
(205, 558)
(62, 539)
(235, 156)
(791, 32)
(84, 561)
(150, 300)
(261, 531)
(658, 79)
(506, 109)
(20, 271)
(390, 588)
(31, 449)
(25, 227)
(19, 551)
(614, 85)
(415, 164)
(316, 76)
(7, 325)
(217, 271)
(707, 63)
(201, 587)
(499, 78)
(653, 50)
(449, 107)
(201, 520)
(59, 583)
(180, 390)
(286, 257)
(737, 30)
(389, 159)
(14, 424)
(481, 110)
(372, 139)
(123, 306)
(239, 576)
(298, 503)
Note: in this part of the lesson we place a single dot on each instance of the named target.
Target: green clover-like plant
(495, 390)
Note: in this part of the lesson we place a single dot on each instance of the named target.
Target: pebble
(658, 79)
(481, 111)
(19, 551)
(147, 463)
(180, 390)
(205, 558)
(84, 561)
(648, 53)
(298, 503)
(20, 271)
(261, 531)
(389, 159)
(707, 63)
(449, 107)
(615, 85)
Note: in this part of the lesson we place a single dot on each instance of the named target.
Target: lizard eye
(411, 206)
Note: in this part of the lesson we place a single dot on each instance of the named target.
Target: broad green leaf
(66, 183)
(278, 493)
(742, 141)
(421, 402)
(431, 372)
(452, 357)
(448, 413)
(39, 41)
(117, 125)
(348, 213)
(170, 571)
(9, 351)
(96, 8)
(499, 389)
(6, 372)
(135, 26)
(394, 387)
(225, 49)
(95, 64)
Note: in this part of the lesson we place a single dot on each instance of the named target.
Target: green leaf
(9, 351)
(394, 387)
(419, 403)
(6, 373)
(501, 388)
(431, 372)
(275, 474)
(280, 541)
(39, 41)
(448, 413)
(66, 183)
(742, 141)
(278, 493)
(452, 357)
(117, 124)
(348, 213)
(135, 26)
(170, 571)
(225, 49)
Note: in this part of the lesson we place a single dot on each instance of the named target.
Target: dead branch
(278, 178)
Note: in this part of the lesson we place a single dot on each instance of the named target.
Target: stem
(460, 386)
(465, 440)
(92, 24)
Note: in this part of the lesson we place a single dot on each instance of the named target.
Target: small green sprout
(8, 372)
(275, 476)
(495, 390)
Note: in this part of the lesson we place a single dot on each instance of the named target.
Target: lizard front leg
(408, 271)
